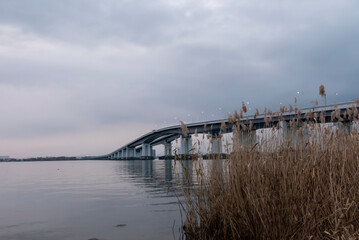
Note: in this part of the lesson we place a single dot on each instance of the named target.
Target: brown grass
(305, 186)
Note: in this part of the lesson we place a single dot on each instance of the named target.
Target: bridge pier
(146, 151)
(168, 149)
(297, 133)
(216, 144)
(344, 127)
(130, 153)
(138, 153)
(185, 145)
(248, 138)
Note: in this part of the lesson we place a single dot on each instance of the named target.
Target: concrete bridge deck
(141, 148)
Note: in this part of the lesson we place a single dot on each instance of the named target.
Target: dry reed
(184, 129)
(301, 182)
(322, 93)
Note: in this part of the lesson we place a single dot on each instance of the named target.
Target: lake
(79, 200)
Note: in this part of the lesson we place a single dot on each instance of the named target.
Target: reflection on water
(88, 199)
(168, 170)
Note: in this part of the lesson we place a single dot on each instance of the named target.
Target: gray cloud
(73, 67)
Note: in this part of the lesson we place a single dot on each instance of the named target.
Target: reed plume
(322, 93)
(184, 129)
(244, 107)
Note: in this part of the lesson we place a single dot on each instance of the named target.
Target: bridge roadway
(141, 148)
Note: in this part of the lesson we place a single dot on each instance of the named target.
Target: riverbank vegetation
(301, 181)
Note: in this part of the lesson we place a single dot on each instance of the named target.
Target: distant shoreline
(53, 159)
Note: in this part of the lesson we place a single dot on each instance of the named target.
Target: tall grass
(305, 185)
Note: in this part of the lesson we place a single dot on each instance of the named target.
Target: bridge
(141, 148)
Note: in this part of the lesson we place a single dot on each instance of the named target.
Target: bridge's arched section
(142, 146)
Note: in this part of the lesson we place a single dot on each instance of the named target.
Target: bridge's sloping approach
(168, 134)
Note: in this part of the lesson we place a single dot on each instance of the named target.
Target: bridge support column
(130, 153)
(345, 127)
(296, 134)
(146, 151)
(118, 155)
(216, 144)
(168, 149)
(123, 154)
(185, 145)
(248, 138)
(138, 153)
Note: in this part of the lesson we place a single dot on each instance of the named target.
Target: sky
(84, 77)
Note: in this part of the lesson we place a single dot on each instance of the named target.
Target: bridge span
(141, 148)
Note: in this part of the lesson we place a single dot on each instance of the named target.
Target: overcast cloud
(83, 77)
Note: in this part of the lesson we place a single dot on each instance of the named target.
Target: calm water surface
(88, 199)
